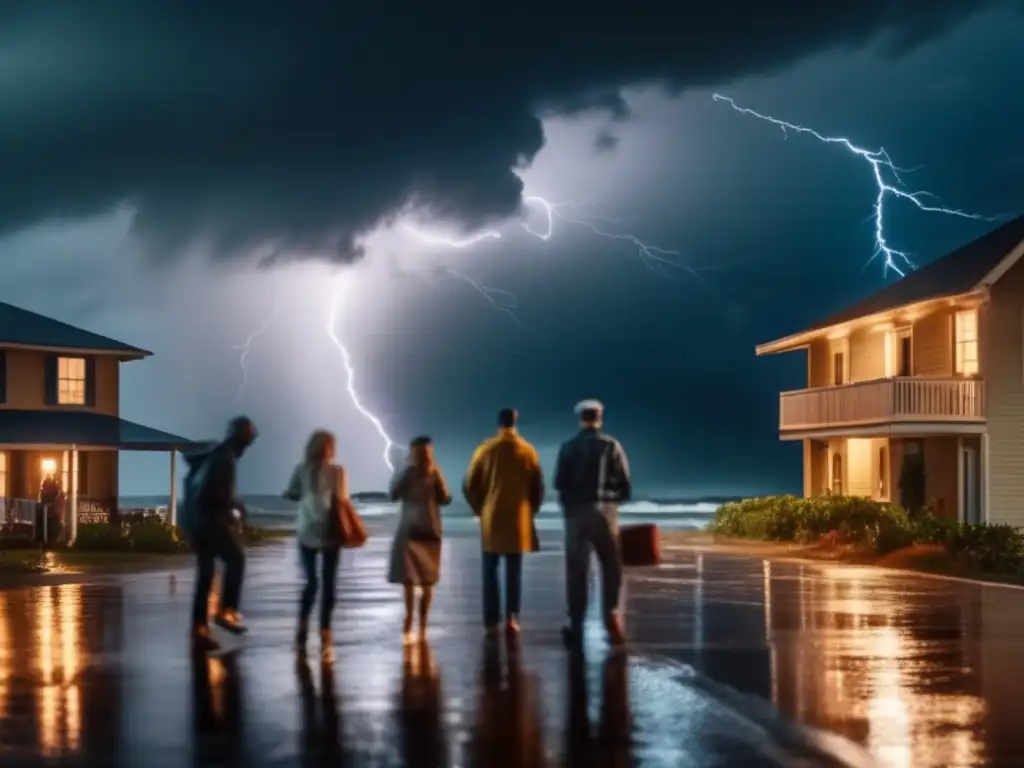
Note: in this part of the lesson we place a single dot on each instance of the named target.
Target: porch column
(808, 458)
(172, 509)
(961, 514)
(73, 482)
(985, 475)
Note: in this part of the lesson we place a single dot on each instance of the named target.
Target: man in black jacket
(592, 479)
(216, 533)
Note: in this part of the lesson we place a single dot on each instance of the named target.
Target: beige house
(931, 364)
(60, 416)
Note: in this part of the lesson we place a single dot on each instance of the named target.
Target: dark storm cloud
(606, 141)
(300, 125)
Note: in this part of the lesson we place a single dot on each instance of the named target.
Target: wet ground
(918, 671)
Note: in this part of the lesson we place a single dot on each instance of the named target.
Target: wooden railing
(865, 403)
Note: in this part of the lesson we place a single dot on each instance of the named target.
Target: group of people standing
(504, 487)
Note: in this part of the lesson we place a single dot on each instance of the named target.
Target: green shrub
(786, 518)
(872, 525)
(154, 535)
(102, 537)
(989, 548)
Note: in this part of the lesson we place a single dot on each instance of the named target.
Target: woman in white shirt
(318, 485)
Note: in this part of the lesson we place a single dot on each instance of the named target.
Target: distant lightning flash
(332, 322)
(878, 160)
(246, 347)
(653, 257)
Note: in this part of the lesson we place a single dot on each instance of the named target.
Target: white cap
(588, 405)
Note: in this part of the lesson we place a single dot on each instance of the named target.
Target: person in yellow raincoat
(504, 487)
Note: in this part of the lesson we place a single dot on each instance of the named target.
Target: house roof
(84, 428)
(969, 268)
(24, 328)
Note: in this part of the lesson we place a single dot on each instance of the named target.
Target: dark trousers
(591, 529)
(328, 575)
(214, 540)
(492, 590)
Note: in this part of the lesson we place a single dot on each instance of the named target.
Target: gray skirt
(414, 562)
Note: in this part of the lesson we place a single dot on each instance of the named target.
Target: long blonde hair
(319, 445)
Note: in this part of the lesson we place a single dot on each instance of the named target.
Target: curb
(826, 563)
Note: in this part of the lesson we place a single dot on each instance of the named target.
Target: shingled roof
(962, 271)
(24, 328)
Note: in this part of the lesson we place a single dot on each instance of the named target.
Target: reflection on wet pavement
(921, 672)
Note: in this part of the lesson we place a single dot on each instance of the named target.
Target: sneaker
(203, 642)
(231, 621)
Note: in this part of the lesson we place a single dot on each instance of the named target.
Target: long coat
(505, 487)
(416, 561)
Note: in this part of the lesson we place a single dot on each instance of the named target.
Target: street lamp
(49, 466)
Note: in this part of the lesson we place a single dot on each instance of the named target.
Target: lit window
(967, 342)
(71, 381)
(3, 475)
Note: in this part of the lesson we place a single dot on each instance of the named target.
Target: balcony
(883, 402)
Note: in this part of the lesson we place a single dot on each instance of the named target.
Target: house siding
(1003, 368)
(819, 364)
(26, 383)
(867, 355)
(933, 344)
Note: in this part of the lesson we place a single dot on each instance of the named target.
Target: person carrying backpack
(209, 522)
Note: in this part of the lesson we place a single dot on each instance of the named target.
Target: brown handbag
(345, 528)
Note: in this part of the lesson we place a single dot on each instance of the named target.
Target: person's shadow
(321, 720)
(611, 743)
(421, 731)
(217, 710)
(508, 729)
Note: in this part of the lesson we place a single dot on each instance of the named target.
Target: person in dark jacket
(592, 478)
(216, 533)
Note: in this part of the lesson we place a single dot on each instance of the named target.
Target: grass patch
(103, 547)
(871, 532)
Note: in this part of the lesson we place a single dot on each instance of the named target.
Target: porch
(955, 471)
(898, 405)
(79, 450)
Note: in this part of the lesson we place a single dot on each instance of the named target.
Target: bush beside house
(146, 535)
(873, 527)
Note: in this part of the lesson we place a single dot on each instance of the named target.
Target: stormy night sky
(179, 177)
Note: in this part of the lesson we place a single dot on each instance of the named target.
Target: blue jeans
(328, 575)
(591, 528)
(492, 590)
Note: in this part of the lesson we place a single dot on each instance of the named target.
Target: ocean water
(275, 512)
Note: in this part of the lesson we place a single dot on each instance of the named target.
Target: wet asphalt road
(916, 671)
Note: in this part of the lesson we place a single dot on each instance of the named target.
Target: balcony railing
(882, 401)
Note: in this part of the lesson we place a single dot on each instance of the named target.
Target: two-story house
(932, 364)
(59, 415)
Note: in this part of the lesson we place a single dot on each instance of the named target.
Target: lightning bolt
(346, 358)
(246, 347)
(881, 166)
(655, 258)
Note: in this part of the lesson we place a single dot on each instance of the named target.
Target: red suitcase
(640, 545)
